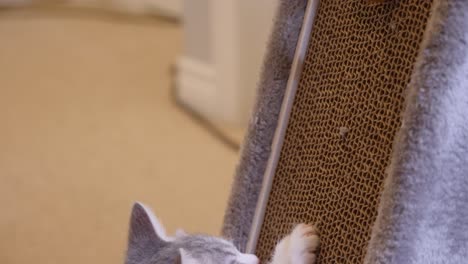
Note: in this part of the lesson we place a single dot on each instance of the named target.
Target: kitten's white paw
(304, 242)
(299, 247)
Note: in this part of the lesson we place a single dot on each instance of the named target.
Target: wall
(255, 21)
(224, 46)
(197, 30)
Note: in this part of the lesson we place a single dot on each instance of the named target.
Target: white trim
(286, 106)
(196, 87)
(229, 51)
(212, 90)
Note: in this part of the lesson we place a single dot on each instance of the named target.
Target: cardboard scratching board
(342, 124)
(371, 133)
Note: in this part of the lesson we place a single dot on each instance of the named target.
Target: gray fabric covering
(257, 144)
(423, 215)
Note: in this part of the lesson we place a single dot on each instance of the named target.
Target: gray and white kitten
(149, 244)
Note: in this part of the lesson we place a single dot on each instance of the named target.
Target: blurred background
(106, 102)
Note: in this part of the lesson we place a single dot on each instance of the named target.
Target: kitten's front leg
(299, 247)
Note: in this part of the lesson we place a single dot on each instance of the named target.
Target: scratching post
(375, 151)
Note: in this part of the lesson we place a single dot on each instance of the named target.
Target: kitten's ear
(145, 229)
(185, 258)
(146, 235)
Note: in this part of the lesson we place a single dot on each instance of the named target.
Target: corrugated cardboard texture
(344, 119)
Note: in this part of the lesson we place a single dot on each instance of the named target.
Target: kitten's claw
(304, 244)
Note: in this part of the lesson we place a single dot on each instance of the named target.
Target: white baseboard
(196, 87)
(166, 8)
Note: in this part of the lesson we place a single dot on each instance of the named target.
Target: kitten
(149, 244)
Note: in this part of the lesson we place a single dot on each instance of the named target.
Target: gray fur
(143, 242)
(199, 247)
(256, 149)
(146, 246)
(423, 216)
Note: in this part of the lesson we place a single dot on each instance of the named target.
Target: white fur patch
(247, 259)
(299, 247)
(186, 258)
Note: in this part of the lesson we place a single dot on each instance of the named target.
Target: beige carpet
(86, 128)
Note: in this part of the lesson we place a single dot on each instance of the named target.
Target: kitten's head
(149, 244)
